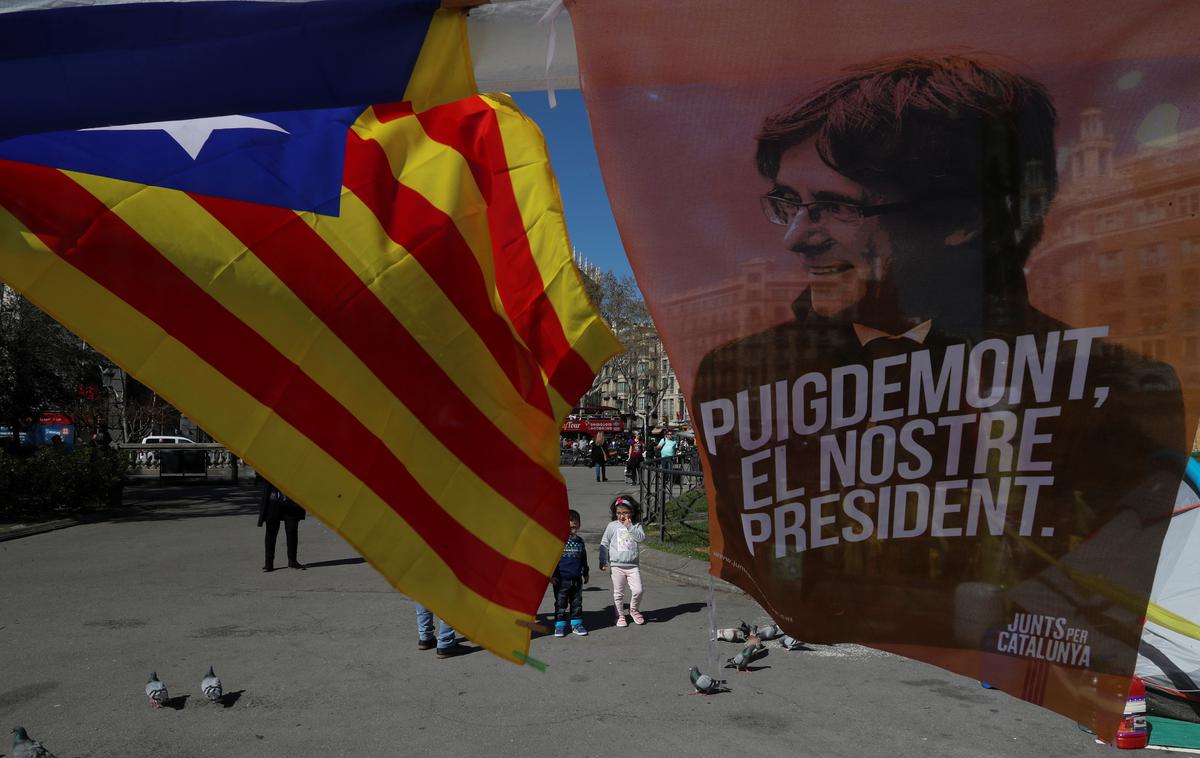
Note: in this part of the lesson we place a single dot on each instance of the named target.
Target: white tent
(1169, 658)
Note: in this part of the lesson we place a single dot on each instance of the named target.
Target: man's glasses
(782, 210)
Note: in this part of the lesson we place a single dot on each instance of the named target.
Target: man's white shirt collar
(868, 334)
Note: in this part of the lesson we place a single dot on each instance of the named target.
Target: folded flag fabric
(375, 306)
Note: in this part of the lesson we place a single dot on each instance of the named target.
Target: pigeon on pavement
(210, 685)
(739, 661)
(25, 746)
(753, 651)
(156, 691)
(705, 684)
(742, 660)
(768, 632)
(787, 642)
(732, 634)
(744, 627)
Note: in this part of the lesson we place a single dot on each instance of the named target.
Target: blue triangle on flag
(292, 159)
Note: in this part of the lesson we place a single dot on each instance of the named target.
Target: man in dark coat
(919, 432)
(273, 508)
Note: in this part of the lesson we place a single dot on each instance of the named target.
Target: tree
(43, 366)
(143, 412)
(620, 303)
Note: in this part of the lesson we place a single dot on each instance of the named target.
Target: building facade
(1122, 246)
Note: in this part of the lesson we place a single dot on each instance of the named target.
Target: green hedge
(53, 480)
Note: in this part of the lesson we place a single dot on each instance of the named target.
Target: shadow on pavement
(181, 501)
(723, 691)
(178, 702)
(659, 615)
(607, 617)
(592, 621)
(229, 698)
(338, 562)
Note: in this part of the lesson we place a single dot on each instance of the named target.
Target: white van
(162, 440)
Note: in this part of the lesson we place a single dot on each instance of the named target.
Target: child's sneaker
(621, 621)
(638, 618)
(577, 628)
(560, 629)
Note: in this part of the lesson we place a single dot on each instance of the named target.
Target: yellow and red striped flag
(395, 354)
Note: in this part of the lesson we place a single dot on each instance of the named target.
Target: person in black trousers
(599, 456)
(275, 507)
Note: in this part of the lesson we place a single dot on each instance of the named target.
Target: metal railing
(573, 457)
(664, 481)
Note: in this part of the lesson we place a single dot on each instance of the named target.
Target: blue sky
(569, 137)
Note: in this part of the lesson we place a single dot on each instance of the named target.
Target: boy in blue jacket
(569, 577)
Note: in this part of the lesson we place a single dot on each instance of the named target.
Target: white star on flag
(191, 134)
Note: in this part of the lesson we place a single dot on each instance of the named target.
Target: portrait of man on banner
(919, 440)
(926, 276)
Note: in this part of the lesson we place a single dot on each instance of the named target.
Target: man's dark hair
(969, 138)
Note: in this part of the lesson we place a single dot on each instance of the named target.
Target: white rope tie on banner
(712, 629)
(551, 15)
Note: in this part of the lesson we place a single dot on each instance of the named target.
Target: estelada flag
(922, 272)
(374, 306)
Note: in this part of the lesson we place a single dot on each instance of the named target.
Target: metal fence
(664, 481)
(572, 457)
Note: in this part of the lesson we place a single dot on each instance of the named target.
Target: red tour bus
(590, 420)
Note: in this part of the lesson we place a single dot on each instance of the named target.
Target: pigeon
(156, 691)
(744, 627)
(753, 651)
(743, 659)
(210, 685)
(787, 642)
(731, 635)
(768, 632)
(705, 684)
(25, 746)
(740, 661)
(754, 643)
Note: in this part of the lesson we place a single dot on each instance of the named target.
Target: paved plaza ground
(324, 662)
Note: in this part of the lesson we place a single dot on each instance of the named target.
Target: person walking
(619, 549)
(634, 463)
(272, 509)
(599, 457)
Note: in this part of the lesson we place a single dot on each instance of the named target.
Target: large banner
(926, 274)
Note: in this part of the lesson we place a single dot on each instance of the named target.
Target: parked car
(165, 440)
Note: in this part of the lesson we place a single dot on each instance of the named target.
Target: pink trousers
(626, 576)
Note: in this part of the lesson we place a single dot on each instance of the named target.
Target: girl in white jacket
(619, 549)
